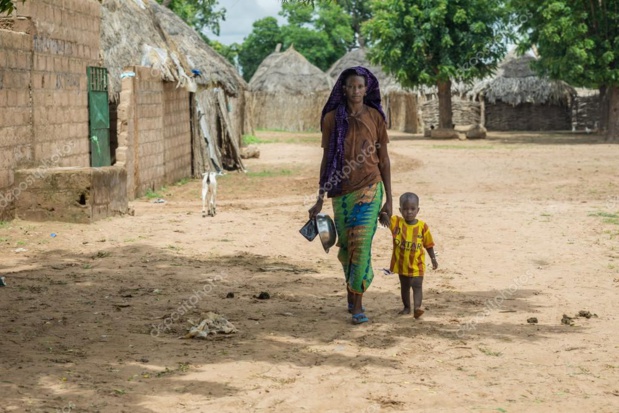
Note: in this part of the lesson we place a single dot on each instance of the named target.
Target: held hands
(385, 215)
(315, 210)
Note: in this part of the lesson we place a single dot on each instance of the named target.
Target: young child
(411, 240)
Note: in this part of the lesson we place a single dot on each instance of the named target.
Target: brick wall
(154, 132)
(15, 112)
(65, 42)
(149, 128)
(176, 133)
(43, 90)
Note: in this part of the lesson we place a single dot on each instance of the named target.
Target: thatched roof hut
(399, 104)
(517, 99)
(288, 92)
(144, 33)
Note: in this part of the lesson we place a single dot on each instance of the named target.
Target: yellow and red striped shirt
(409, 245)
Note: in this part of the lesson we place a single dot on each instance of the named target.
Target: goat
(209, 187)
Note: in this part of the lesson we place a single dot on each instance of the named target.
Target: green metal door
(99, 116)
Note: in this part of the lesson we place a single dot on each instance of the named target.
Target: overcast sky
(240, 15)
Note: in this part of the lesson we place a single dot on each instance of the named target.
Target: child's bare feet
(405, 311)
(418, 313)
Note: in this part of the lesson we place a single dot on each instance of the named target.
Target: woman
(355, 173)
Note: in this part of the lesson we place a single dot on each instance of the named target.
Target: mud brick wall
(81, 195)
(65, 42)
(176, 133)
(149, 131)
(15, 112)
(154, 132)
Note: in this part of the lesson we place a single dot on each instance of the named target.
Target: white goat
(209, 187)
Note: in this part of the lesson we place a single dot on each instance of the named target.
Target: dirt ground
(525, 225)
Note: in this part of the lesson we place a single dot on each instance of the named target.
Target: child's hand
(434, 263)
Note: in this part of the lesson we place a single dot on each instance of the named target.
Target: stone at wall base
(476, 132)
(444, 134)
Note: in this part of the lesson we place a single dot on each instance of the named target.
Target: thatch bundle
(399, 104)
(288, 92)
(517, 99)
(214, 69)
(130, 37)
(464, 112)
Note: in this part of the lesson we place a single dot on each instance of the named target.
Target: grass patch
(4, 224)
(608, 218)
(183, 181)
(270, 173)
(251, 139)
(150, 194)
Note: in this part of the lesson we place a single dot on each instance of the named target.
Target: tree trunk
(604, 108)
(444, 105)
(612, 132)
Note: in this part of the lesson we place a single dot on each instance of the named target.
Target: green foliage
(578, 41)
(8, 6)
(359, 11)
(422, 42)
(230, 53)
(322, 33)
(200, 14)
(261, 42)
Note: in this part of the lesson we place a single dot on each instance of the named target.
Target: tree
(261, 42)
(431, 42)
(578, 42)
(322, 34)
(8, 6)
(358, 10)
(229, 52)
(200, 14)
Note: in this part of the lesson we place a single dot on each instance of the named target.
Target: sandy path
(526, 226)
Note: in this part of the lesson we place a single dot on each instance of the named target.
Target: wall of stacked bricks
(65, 42)
(44, 50)
(15, 112)
(176, 133)
(149, 108)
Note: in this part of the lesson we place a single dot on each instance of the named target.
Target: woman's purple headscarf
(331, 179)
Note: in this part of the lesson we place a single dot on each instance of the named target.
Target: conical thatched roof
(289, 72)
(515, 83)
(144, 33)
(358, 57)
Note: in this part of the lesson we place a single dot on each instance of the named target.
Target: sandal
(359, 318)
(350, 307)
(418, 313)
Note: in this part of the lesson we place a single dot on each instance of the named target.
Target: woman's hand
(313, 211)
(385, 215)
